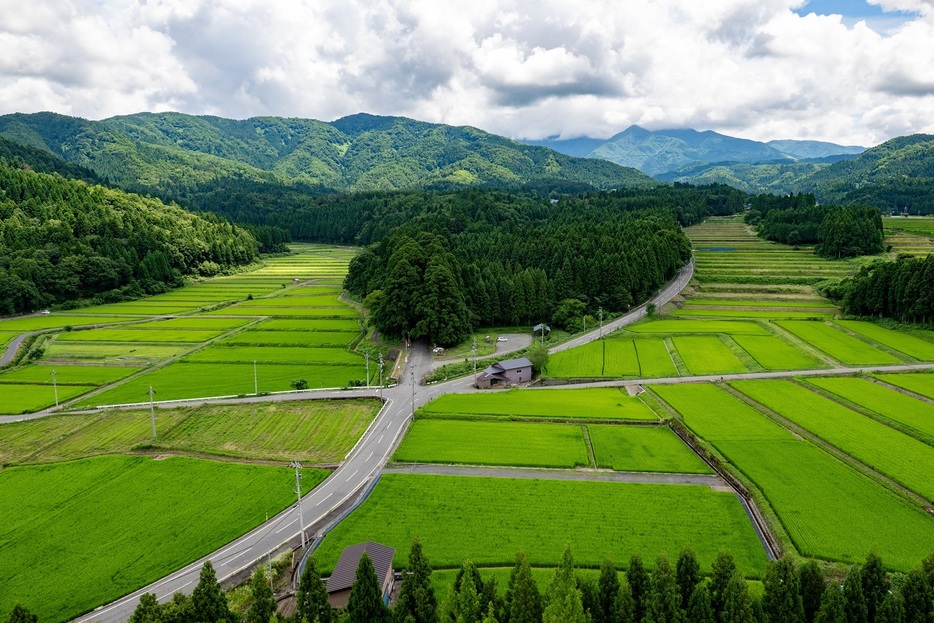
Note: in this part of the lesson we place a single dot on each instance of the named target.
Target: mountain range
(661, 152)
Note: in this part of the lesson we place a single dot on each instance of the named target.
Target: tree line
(64, 240)
(475, 259)
(902, 290)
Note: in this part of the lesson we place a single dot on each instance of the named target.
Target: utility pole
(152, 411)
(255, 382)
(474, 347)
(55, 386)
(412, 368)
(543, 334)
(601, 321)
(367, 357)
(298, 492)
(381, 376)
(269, 561)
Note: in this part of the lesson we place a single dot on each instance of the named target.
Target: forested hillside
(243, 169)
(64, 240)
(443, 263)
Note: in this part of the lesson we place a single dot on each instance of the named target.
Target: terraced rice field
(643, 449)
(728, 327)
(620, 358)
(843, 347)
(139, 335)
(654, 359)
(900, 457)
(255, 337)
(920, 349)
(276, 354)
(919, 383)
(597, 359)
(52, 321)
(595, 404)
(707, 354)
(913, 235)
(731, 312)
(814, 495)
(494, 443)
(130, 353)
(918, 416)
(67, 375)
(498, 516)
(773, 353)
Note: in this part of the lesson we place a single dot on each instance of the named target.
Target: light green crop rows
(920, 383)
(730, 327)
(619, 358)
(599, 404)
(842, 347)
(138, 335)
(35, 323)
(910, 345)
(276, 354)
(584, 361)
(290, 324)
(334, 339)
(745, 313)
(654, 359)
(15, 399)
(773, 353)
(815, 496)
(643, 449)
(706, 354)
(66, 375)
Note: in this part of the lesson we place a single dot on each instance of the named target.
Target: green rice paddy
(904, 343)
(643, 449)
(707, 354)
(839, 345)
(773, 353)
(595, 404)
(920, 383)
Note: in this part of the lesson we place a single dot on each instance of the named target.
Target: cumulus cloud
(756, 68)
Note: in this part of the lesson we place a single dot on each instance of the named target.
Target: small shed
(506, 373)
(345, 572)
(541, 327)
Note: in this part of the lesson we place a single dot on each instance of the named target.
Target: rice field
(920, 383)
(54, 321)
(902, 458)
(289, 324)
(727, 327)
(194, 336)
(843, 347)
(257, 337)
(67, 375)
(773, 353)
(707, 354)
(725, 312)
(130, 353)
(26, 398)
(276, 354)
(912, 346)
(643, 449)
(815, 496)
(654, 359)
(593, 404)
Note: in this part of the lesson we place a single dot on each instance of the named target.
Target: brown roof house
(345, 572)
(506, 373)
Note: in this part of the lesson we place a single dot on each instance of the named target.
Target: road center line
(324, 498)
(286, 526)
(352, 475)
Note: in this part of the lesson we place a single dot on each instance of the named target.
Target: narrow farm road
(13, 346)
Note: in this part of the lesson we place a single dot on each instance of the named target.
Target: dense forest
(673, 593)
(64, 240)
(837, 231)
(445, 263)
(902, 290)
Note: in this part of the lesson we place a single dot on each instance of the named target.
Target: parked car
(502, 339)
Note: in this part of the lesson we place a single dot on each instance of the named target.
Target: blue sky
(856, 10)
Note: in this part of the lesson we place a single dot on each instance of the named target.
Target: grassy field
(114, 353)
(839, 345)
(654, 359)
(773, 353)
(902, 458)
(66, 375)
(815, 496)
(28, 398)
(729, 327)
(738, 302)
(920, 383)
(706, 354)
(597, 404)
(693, 312)
(107, 523)
(643, 449)
(494, 443)
(903, 343)
(489, 519)
(197, 380)
(891, 404)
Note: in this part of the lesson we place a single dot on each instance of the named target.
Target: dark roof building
(506, 373)
(345, 572)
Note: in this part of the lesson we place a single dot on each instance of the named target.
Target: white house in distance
(506, 373)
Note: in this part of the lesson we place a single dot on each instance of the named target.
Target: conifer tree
(737, 606)
(416, 595)
(721, 573)
(699, 610)
(490, 615)
(21, 614)
(892, 609)
(832, 605)
(782, 600)
(875, 585)
(466, 599)
(208, 600)
(564, 598)
(640, 586)
(312, 604)
(856, 610)
(607, 594)
(916, 593)
(625, 606)
(365, 604)
(811, 581)
(524, 600)
(687, 572)
(665, 602)
(264, 603)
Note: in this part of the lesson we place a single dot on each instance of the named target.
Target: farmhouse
(506, 373)
(345, 572)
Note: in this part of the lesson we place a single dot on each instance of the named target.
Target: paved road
(13, 347)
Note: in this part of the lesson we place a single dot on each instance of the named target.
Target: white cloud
(753, 68)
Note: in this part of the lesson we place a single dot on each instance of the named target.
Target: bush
(299, 384)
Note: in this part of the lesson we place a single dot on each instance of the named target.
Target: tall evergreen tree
(365, 604)
(490, 615)
(312, 604)
(665, 602)
(565, 604)
(811, 581)
(856, 610)
(416, 595)
(21, 614)
(639, 585)
(737, 605)
(832, 605)
(687, 571)
(263, 607)
(607, 594)
(465, 606)
(524, 599)
(721, 573)
(892, 609)
(782, 599)
(625, 606)
(875, 585)
(917, 596)
(208, 600)
(699, 610)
